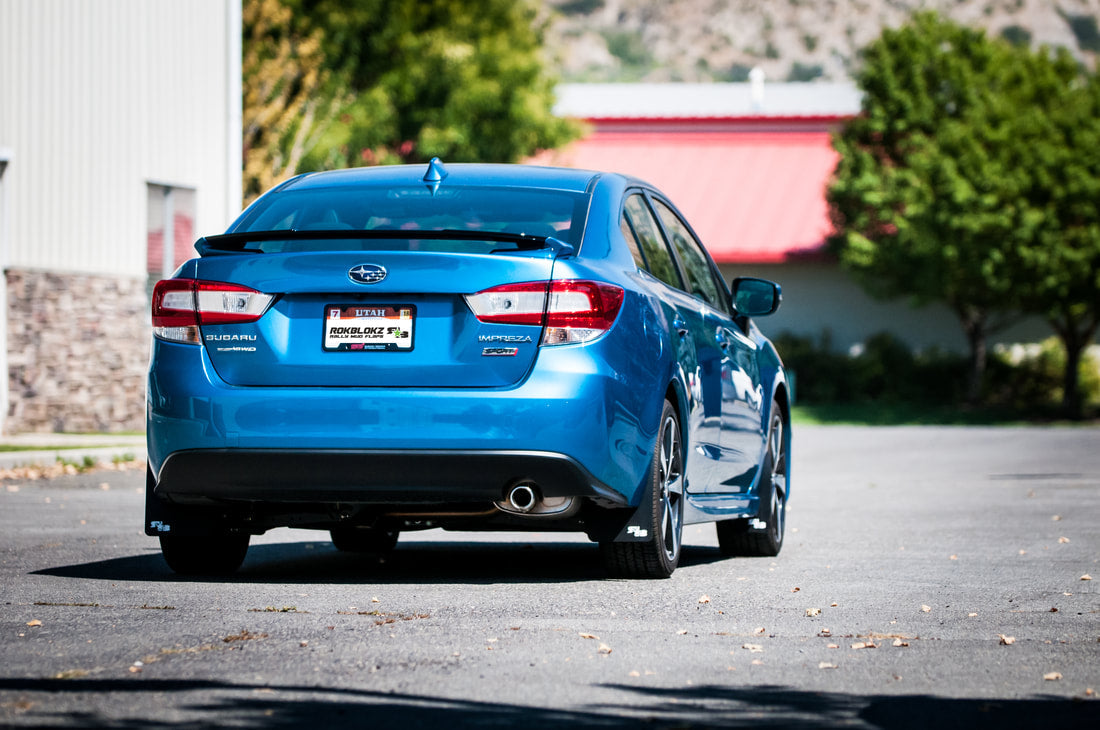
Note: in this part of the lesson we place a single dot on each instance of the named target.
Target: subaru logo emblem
(367, 273)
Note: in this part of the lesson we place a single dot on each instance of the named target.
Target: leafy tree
(916, 197)
(969, 179)
(462, 81)
(289, 94)
(340, 83)
(1057, 234)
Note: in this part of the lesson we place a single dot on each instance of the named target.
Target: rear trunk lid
(373, 319)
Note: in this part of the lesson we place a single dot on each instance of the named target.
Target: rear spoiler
(236, 243)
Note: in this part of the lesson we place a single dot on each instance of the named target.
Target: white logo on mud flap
(637, 531)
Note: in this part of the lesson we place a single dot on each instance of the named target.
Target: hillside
(797, 40)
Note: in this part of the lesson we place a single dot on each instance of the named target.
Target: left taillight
(571, 311)
(181, 306)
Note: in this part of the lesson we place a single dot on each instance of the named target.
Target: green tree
(966, 175)
(463, 81)
(1057, 233)
(289, 95)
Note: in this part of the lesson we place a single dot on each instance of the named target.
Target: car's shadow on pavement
(412, 562)
(208, 703)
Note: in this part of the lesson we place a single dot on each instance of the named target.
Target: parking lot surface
(932, 577)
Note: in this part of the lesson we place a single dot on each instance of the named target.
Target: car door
(729, 374)
(685, 319)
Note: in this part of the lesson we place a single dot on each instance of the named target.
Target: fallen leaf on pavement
(704, 598)
(826, 665)
(754, 648)
(813, 611)
(864, 645)
(604, 649)
(34, 622)
(1006, 640)
(925, 609)
(589, 636)
(833, 646)
(1086, 576)
(899, 642)
(761, 629)
(1063, 540)
(1052, 676)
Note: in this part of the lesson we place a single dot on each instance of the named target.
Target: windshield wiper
(237, 242)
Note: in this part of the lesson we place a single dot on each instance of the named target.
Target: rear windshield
(495, 210)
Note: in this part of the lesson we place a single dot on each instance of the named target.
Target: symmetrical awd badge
(367, 273)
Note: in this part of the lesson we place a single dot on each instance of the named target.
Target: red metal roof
(752, 196)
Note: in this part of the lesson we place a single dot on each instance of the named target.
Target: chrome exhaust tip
(522, 498)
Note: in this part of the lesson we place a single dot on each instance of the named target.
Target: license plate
(350, 327)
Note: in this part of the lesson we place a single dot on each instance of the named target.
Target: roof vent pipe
(756, 79)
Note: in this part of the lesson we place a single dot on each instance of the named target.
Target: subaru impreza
(470, 347)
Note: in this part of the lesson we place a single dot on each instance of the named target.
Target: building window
(170, 229)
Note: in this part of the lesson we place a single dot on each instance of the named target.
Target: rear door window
(652, 243)
(701, 282)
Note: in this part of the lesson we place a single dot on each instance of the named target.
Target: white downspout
(234, 132)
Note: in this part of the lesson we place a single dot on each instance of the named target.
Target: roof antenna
(435, 174)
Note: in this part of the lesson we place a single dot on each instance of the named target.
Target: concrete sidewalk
(44, 449)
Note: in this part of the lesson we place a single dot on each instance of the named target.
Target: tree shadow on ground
(204, 703)
(411, 563)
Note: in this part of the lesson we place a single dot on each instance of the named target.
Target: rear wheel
(205, 555)
(363, 539)
(658, 556)
(762, 536)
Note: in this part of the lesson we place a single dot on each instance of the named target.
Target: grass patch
(916, 414)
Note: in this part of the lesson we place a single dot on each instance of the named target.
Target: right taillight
(181, 306)
(570, 310)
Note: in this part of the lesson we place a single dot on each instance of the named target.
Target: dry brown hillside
(798, 40)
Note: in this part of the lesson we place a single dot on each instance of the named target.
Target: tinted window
(501, 210)
(632, 243)
(652, 242)
(701, 283)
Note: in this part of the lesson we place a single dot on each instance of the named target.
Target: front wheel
(206, 555)
(762, 536)
(658, 556)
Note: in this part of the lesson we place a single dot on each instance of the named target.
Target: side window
(651, 241)
(632, 243)
(701, 283)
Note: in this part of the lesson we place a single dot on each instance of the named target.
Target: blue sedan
(471, 347)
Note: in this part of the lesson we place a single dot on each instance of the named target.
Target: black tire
(741, 537)
(363, 539)
(658, 556)
(205, 555)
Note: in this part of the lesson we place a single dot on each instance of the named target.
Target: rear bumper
(369, 477)
(573, 425)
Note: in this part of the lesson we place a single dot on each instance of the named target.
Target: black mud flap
(625, 525)
(164, 518)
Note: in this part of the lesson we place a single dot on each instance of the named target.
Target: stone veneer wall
(78, 351)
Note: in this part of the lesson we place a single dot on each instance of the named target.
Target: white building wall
(97, 99)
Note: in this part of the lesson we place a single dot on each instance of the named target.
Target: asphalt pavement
(931, 578)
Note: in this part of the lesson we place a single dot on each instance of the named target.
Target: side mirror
(755, 297)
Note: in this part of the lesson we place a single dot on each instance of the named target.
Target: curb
(48, 457)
